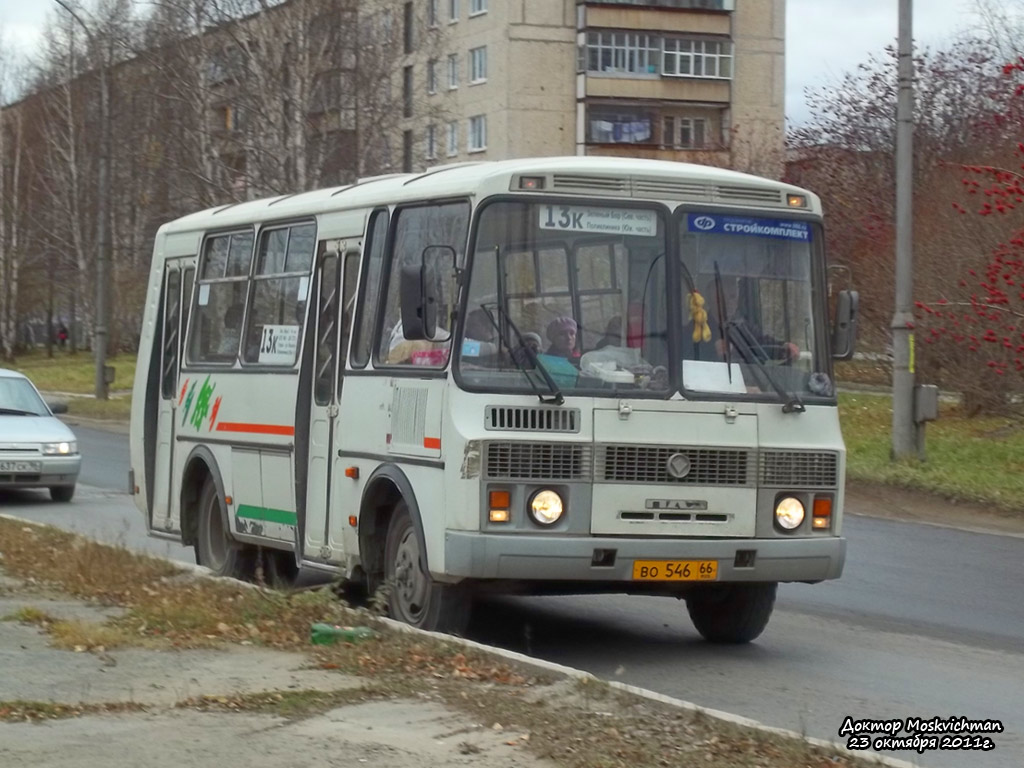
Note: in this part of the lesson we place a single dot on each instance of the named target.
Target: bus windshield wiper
(556, 397)
(752, 352)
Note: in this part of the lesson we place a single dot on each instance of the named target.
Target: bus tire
(413, 596)
(732, 613)
(215, 548)
(279, 568)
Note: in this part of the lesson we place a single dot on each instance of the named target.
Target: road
(925, 622)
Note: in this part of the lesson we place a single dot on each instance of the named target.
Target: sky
(824, 38)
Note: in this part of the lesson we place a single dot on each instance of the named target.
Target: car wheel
(414, 597)
(62, 492)
(733, 613)
(215, 549)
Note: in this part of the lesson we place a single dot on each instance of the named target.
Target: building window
(407, 27)
(478, 64)
(407, 151)
(697, 58)
(432, 13)
(453, 11)
(477, 6)
(605, 126)
(686, 132)
(706, 5)
(610, 52)
(431, 142)
(453, 71)
(407, 92)
(478, 133)
(453, 139)
(432, 76)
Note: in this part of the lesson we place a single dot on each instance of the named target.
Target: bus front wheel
(732, 613)
(214, 547)
(414, 597)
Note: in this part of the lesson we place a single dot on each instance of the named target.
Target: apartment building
(690, 80)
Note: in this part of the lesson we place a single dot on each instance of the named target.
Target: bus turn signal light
(352, 472)
(822, 516)
(500, 503)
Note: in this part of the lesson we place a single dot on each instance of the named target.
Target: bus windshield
(578, 290)
(752, 314)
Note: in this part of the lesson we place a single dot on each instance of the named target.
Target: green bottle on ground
(329, 634)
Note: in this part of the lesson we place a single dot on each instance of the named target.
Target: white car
(37, 450)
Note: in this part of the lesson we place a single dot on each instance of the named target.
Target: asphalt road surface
(925, 622)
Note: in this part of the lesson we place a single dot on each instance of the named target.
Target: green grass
(115, 409)
(979, 459)
(66, 372)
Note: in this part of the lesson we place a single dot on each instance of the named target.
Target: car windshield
(753, 312)
(567, 298)
(18, 396)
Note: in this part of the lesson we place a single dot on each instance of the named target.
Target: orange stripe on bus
(432, 442)
(256, 429)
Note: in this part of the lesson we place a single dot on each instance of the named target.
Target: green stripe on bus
(266, 515)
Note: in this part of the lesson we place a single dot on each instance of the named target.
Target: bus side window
(418, 228)
(280, 287)
(326, 331)
(369, 288)
(221, 289)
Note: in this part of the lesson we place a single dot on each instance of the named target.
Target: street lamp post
(904, 428)
(101, 330)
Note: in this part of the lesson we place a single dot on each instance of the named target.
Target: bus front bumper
(562, 558)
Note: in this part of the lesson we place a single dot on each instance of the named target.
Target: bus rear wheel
(732, 613)
(414, 597)
(215, 549)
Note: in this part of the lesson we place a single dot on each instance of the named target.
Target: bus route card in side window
(278, 344)
(606, 221)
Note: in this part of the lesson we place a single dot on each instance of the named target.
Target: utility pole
(904, 428)
(101, 321)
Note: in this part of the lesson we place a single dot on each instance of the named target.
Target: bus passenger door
(335, 287)
(178, 277)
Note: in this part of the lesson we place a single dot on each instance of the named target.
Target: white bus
(558, 375)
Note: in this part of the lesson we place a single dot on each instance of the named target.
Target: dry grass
(577, 725)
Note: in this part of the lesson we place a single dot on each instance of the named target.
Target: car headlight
(789, 513)
(546, 507)
(66, 448)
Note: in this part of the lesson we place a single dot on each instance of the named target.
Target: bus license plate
(20, 466)
(675, 570)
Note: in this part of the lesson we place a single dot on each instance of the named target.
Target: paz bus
(559, 375)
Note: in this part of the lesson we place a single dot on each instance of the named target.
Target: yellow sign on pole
(912, 352)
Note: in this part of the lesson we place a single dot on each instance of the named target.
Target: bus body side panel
(393, 420)
(247, 421)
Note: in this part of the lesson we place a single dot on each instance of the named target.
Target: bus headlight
(789, 513)
(546, 507)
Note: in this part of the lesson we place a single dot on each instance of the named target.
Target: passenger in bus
(232, 331)
(480, 338)
(561, 334)
(612, 334)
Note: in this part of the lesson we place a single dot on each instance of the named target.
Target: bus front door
(178, 277)
(335, 288)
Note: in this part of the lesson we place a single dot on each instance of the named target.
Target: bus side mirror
(422, 293)
(844, 332)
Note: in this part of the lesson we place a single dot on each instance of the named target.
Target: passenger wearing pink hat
(562, 334)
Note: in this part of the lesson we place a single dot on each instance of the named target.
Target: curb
(549, 666)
